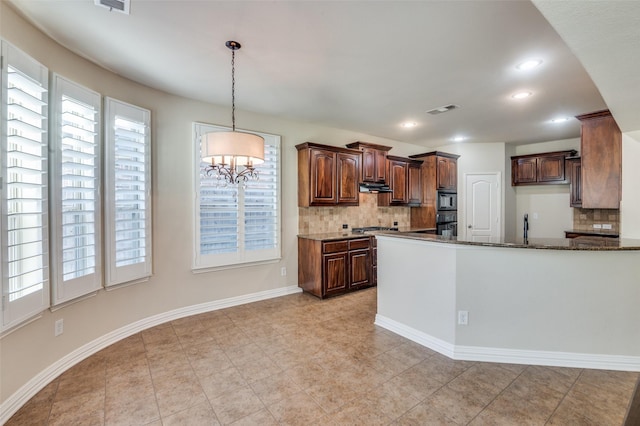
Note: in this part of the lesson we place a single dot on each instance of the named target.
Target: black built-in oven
(447, 223)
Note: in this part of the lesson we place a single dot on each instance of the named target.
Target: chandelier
(233, 155)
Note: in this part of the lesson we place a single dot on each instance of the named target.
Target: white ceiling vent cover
(442, 109)
(121, 6)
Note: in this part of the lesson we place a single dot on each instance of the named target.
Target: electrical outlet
(345, 226)
(463, 317)
(597, 226)
(607, 226)
(395, 223)
(59, 327)
(283, 271)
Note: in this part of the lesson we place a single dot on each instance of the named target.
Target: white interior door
(482, 206)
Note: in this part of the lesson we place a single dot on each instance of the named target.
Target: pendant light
(233, 155)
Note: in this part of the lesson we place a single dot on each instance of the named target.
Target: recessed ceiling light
(560, 119)
(521, 95)
(409, 124)
(458, 138)
(529, 64)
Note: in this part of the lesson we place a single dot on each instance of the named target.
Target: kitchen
(410, 303)
(174, 285)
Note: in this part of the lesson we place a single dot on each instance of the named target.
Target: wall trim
(12, 404)
(512, 356)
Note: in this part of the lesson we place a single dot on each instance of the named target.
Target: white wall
(630, 206)
(31, 349)
(547, 205)
(477, 158)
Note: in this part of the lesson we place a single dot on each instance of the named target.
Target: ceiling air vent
(442, 109)
(121, 6)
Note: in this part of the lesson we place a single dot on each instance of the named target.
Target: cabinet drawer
(334, 246)
(362, 243)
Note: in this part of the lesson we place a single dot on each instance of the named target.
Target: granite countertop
(348, 235)
(601, 233)
(579, 243)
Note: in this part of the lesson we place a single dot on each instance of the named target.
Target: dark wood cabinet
(348, 170)
(438, 172)
(524, 170)
(329, 268)
(374, 161)
(414, 184)
(360, 263)
(327, 176)
(540, 169)
(447, 173)
(404, 180)
(601, 161)
(574, 170)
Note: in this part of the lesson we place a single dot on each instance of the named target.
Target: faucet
(526, 227)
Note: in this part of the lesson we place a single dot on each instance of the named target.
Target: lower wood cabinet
(331, 267)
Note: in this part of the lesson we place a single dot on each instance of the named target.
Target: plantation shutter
(261, 205)
(23, 153)
(75, 182)
(128, 192)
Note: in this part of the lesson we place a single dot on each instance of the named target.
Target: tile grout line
(564, 396)
(499, 393)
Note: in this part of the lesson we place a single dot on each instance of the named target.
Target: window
(127, 192)
(237, 224)
(75, 196)
(23, 153)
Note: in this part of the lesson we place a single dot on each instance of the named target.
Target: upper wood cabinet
(438, 172)
(574, 171)
(540, 169)
(415, 184)
(327, 175)
(601, 164)
(405, 190)
(447, 173)
(374, 161)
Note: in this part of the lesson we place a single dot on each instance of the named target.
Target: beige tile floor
(296, 360)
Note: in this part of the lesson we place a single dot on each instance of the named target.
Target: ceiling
(365, 66)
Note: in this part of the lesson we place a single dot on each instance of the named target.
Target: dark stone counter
(579, 243)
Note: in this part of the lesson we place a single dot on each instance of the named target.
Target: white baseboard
(438, 345)
(512, 356)
(12, 404)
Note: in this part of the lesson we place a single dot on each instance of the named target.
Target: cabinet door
(601, 151)
(415, 185)
(335, 273)
(369, 172)
(524, 170)
(398, 171)
(381, 166)
(348, 178)
(360, 268)
(551, 169)
(447, 173)
(323, 177)
(574, 172)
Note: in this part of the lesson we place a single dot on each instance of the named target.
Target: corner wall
(630, 206)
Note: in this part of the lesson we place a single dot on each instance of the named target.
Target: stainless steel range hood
(374, 188)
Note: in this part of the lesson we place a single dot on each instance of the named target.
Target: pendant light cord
(233, 90)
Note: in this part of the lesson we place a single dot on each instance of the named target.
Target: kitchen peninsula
(562, 302)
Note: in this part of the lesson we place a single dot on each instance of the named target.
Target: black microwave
(447, 200)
